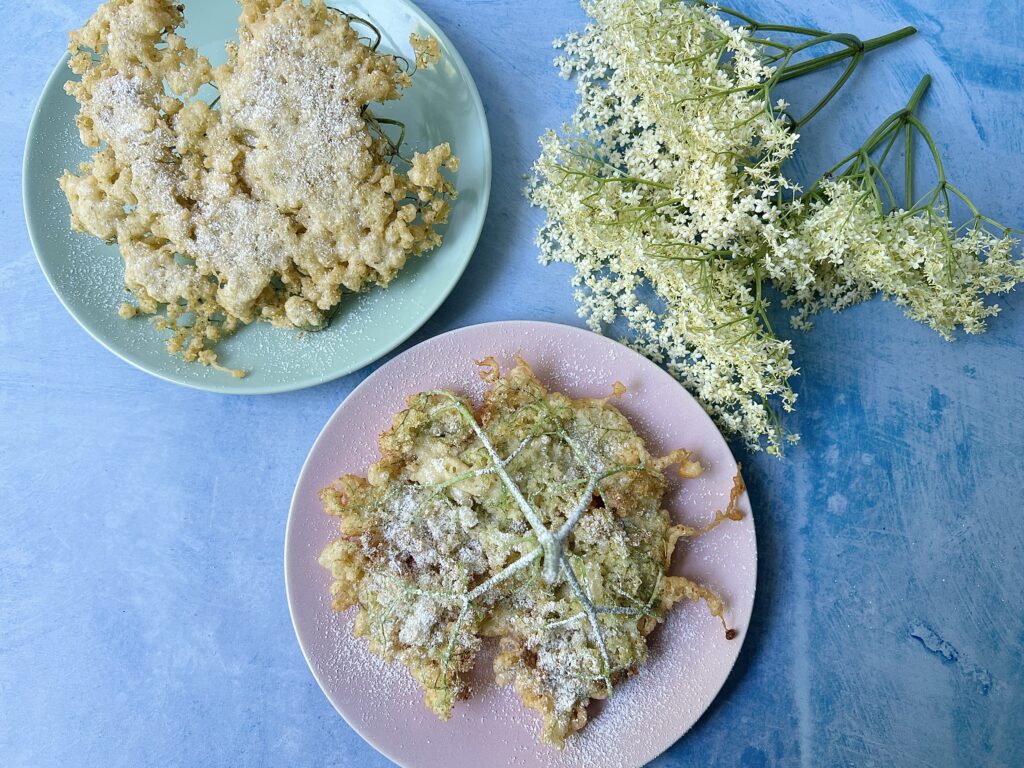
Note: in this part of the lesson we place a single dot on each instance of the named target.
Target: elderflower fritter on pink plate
(535, 519)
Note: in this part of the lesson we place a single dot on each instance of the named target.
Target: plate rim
(214, 385)
(368, 383)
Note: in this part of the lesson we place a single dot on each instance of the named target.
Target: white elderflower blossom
(852, 240)
(657, 189)
(845, 250)
(666, 193)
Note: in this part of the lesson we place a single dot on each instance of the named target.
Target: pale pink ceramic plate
(690, 657)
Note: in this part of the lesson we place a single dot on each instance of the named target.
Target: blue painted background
(142, 608)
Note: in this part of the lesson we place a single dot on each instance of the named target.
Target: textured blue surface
(142, 609)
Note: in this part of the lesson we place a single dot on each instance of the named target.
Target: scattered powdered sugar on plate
(689, 656)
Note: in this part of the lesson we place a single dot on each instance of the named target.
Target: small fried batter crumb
(427, 50)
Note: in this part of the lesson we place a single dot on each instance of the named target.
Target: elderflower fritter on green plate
(263, 205)
(535, 519)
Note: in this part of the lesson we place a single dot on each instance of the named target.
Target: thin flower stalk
(852, 235)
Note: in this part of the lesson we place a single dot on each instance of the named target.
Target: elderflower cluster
(843, 250)
(670, 161)
(665, 191)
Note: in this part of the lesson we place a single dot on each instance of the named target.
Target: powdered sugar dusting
(298, 99)
(121, 109)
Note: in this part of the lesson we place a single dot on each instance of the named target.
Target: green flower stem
(504, 575)
(590, 610)
(908, 163)
(866, 174)
(353, 19)
(753, 23)
(544, 537)
(789, 28)
(466, 603)
(463, 612)
(564, 622)
(853, 46)
(919, 92)
(618, 610)
(865, 46)
(854, 49)
(908, 141)
(859, 164)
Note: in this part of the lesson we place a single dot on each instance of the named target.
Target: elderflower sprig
(667, 194)
(659, 187)
(850, 237)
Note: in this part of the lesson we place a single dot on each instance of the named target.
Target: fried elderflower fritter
(265, 203)
(535, 519)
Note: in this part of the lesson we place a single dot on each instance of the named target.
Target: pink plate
(690, 657)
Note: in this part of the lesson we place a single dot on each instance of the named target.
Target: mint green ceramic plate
(87, 275)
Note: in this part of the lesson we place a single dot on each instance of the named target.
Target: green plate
(87, 275)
